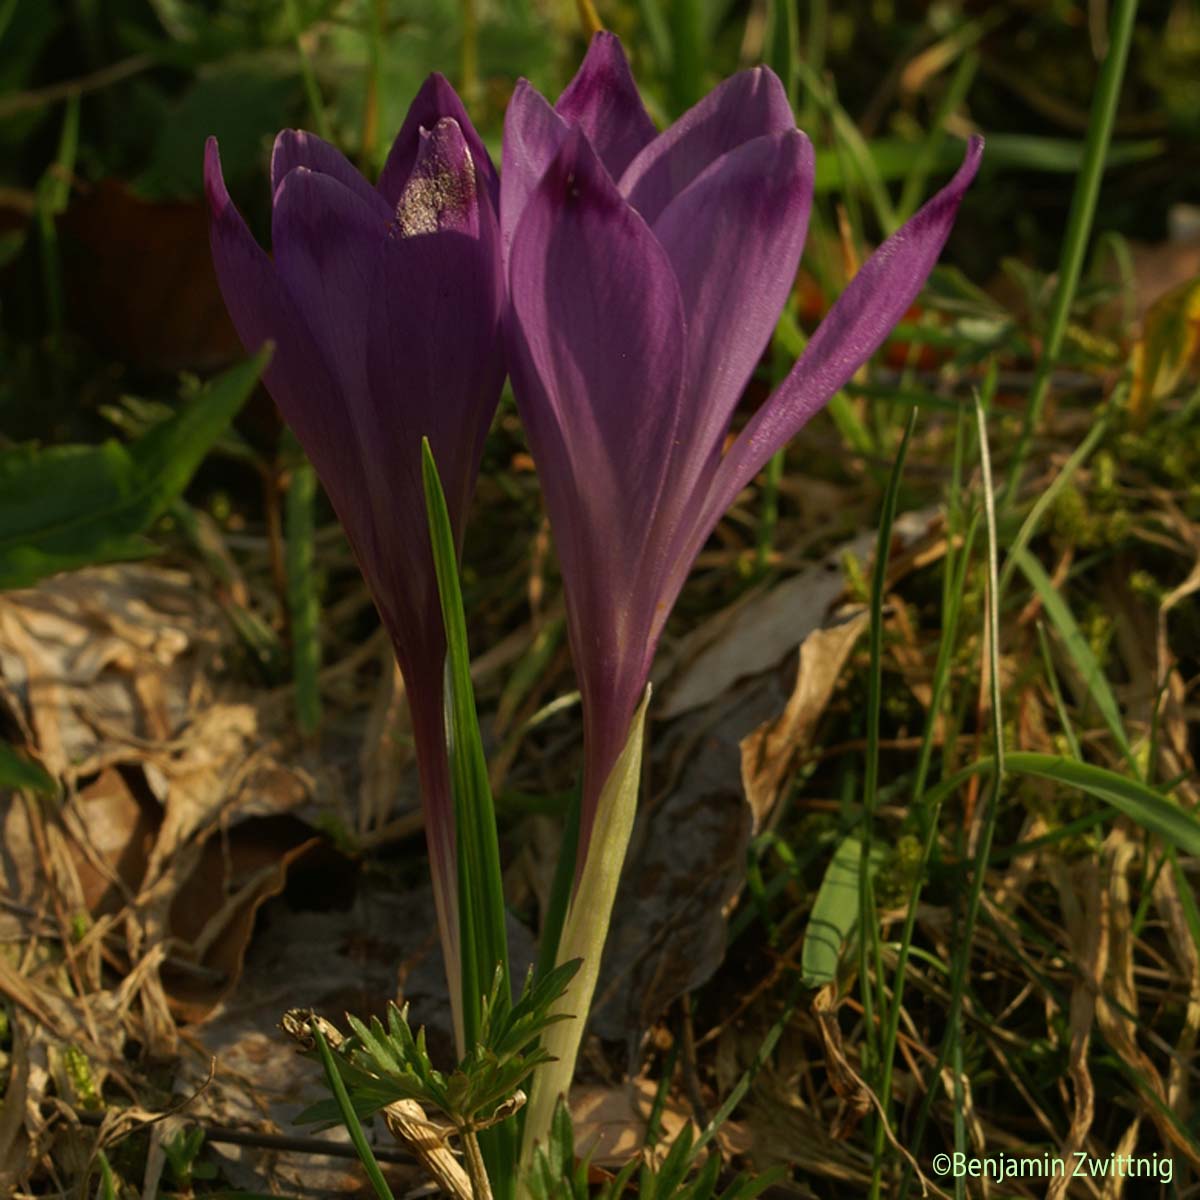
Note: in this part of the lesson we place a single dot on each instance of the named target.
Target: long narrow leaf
(350, 1117)
(483, 936)
(835, 911)
(1077, 647)
(69, 506)
(17, 771)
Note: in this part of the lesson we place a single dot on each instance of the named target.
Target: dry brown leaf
(104, 660)
(769, 752)
(854, 1095)
(1119, 1029)
(753, 635)
(1085, 904)
(175, 827)
(14, 1141)
(610, 1122)
(1169, 904)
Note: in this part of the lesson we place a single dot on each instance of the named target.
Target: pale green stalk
(583, 935)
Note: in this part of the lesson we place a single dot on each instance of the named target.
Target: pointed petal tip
(950, 197)
(972, 156)
(436, 90)
(214, 181)
(435, 98)
(603, 97)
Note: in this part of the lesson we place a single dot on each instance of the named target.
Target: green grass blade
(349, 1116)
(950, 1048)
(782, 44)
(1138, 801)
(1077, 647)
(1079, 225)
(483, 935)
(892, 157)
(926, 156)
(312, 90)
(687, 24)
(870, 932)
(1046, 498)
(858, 151)
(1060, 707)
(658, 33)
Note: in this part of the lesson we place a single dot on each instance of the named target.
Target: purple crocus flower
(384, 304)
(646, 275)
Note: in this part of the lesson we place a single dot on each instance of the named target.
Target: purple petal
(326, 242)
(604, 101)
(854, 328)
(596, 352)
(435, 100)
(734, 237)
(262, 310)
(533, 134)
(434, 358)
(295, 148)
(746, 106)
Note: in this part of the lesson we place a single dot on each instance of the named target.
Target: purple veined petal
(296, 148)
(604, 101)
(734, 237)
(435, 100)
(262, 310)
(747, 105)
(853, 329)
(326, 240)
(533, 135)
(596, 353)
(433, 330)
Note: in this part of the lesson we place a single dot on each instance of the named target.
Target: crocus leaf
(834, 914)
(481, 891)
(17, 771)
(350, 1117)
(483, 938)
(585, 929)
(68, 506)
